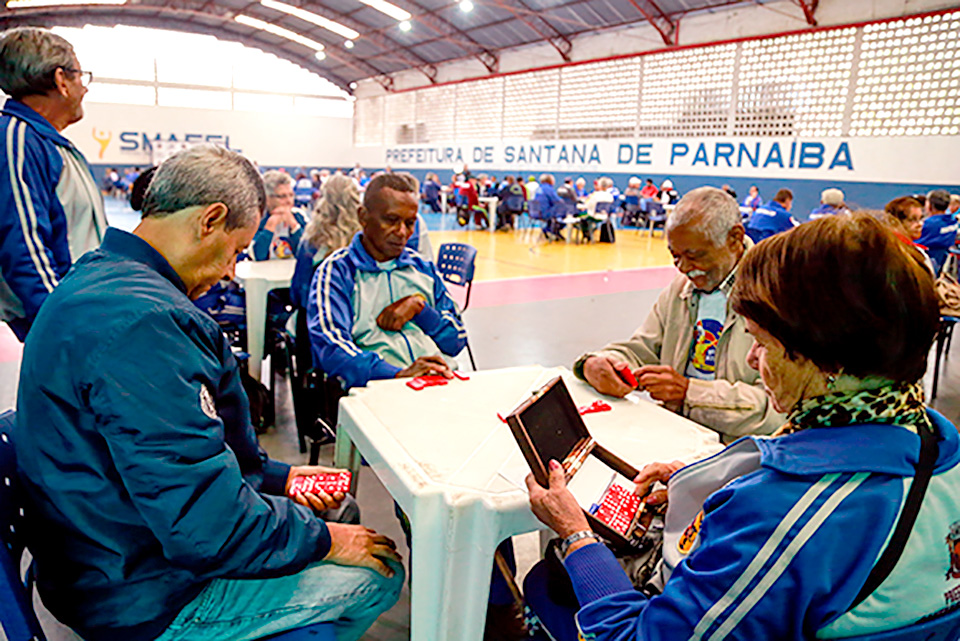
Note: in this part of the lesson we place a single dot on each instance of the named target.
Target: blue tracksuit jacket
(768, 220)
(51, 212)
(349, 291)
(134, 443)
(939, 234)
(782, 551)
(548, 199)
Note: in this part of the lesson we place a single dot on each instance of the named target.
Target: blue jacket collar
(125, 244)
(883, 449)
(777, 207)
(365, 262)
(40, 124)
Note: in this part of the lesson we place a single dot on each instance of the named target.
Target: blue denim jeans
(350, 598)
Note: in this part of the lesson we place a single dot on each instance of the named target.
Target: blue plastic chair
(456, 263)
(17, 616)
(16, 605)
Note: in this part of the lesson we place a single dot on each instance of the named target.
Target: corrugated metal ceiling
(440, 32)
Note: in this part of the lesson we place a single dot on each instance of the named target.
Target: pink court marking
(10, 348)
(493, 293)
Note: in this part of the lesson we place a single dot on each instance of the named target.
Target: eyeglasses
(86, 77)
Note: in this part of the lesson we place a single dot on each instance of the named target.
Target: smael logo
(953, 544)
(104, 138)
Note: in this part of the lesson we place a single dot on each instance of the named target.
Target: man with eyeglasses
(51, 209)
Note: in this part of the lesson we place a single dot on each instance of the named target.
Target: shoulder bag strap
(929, 451)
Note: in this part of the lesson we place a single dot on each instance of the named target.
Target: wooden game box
(548, 426)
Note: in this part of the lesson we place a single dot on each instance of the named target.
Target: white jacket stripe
(327, 325)
(762, 556)
(780, 565)
(25, 211)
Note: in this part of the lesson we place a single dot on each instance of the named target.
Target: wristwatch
(573, 538)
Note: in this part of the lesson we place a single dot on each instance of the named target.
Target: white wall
(113, 134)
(697, 28)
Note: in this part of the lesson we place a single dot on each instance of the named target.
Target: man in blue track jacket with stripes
(377, 309)
(51, 210)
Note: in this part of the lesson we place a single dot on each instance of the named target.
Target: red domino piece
(327, 482)
(627, 376)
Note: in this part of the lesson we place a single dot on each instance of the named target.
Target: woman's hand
(555, 506)
(651, 474)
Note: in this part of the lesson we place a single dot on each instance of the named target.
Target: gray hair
(334, 220)
(710, 210)
(29, 57)
(204, 175)
(547, 178)
(605, 183)
(273, 179)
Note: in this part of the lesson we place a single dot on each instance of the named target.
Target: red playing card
(627, 376)
(327, 482)
(462, 377)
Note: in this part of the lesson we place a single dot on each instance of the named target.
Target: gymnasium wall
(123, 135)
(871, 108)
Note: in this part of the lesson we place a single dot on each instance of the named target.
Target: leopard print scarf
(897, 404)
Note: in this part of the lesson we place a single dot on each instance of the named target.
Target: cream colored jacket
(734, 404)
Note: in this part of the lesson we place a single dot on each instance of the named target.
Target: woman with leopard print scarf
(846, 522)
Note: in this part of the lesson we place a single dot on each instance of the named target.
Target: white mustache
(695, 273)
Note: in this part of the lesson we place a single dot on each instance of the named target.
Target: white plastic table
(258, 278)
(443, 454)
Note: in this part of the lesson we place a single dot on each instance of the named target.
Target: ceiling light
(312, 18)
(391, 10)
(321, 56)
(29, 4)
(353, 85)
(278, 31)
(348, 44)
(406, 26)
(466, 6)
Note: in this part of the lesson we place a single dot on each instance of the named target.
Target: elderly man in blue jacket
(155, 514)
(377, 309)
(772, 218)
(51, 210)
(549, 201)
(939, 228)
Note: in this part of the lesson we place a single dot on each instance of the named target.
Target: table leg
(492, 216)
(451, 565)
(346, 456)
(256, 292)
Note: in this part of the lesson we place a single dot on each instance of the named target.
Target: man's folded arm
(330, 319)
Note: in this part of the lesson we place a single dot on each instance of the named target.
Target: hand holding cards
(327, 483)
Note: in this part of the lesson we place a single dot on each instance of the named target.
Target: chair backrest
(16, 607)
(565, 208)
(606, 208)
(455, 262)
(535, 210)
(514, 203)
(631, 199)
(945, 627)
